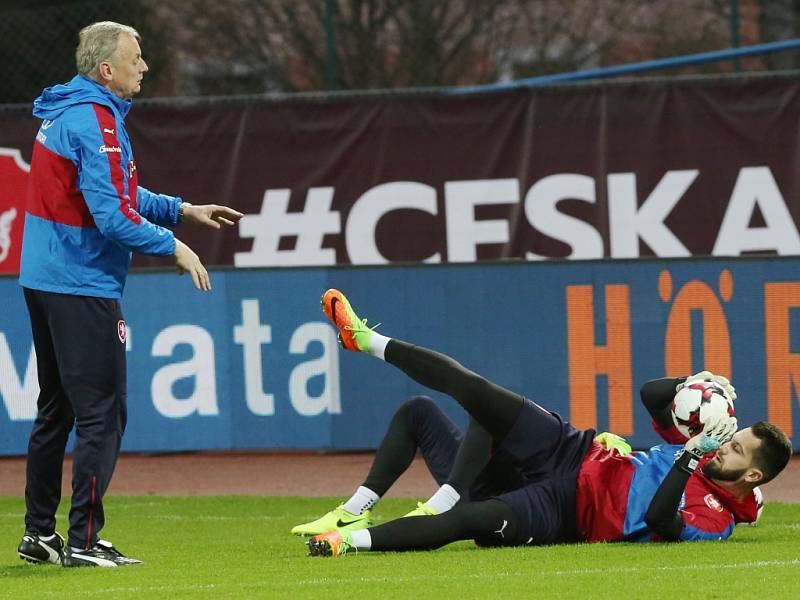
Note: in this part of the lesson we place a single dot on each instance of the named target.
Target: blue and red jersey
(85, 212)
(614, 493)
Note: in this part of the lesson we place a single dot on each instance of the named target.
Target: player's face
(127, 67)
(733, 460)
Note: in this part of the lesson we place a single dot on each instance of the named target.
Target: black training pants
(80, 356)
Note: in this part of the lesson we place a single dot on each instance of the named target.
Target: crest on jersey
(712, 502)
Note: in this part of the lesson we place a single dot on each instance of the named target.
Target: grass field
(239, 547)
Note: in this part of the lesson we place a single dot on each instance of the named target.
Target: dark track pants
(546, 450)
(420, 424)
(80, 355)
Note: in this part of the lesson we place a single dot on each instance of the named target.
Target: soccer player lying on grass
(546, 482)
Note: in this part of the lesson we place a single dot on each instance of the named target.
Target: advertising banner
(255, 365)
(613, 170)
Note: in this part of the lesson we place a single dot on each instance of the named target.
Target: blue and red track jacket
(614, 493)
(85, 212)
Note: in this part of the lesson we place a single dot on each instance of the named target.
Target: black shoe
(36, 550)
(103, 554)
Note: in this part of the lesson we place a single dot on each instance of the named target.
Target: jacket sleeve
(158, 208)
(657, 398)
(663, 517)
(103, 181)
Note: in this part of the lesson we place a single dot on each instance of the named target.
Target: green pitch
(239, 547)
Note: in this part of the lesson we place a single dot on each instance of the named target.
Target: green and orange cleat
(354, 334)
(333, 543)
(422, 510)
(338, 518)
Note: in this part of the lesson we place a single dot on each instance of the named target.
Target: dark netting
(38, 41)
(239, 47)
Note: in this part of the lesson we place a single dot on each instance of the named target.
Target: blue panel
(191, 357)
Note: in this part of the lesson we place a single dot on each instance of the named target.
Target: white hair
(97, 43)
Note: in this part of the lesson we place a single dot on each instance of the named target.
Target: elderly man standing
(85, 216)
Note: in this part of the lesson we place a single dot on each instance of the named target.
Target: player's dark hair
(774, 452)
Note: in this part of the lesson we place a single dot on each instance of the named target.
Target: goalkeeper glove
(708, 440)
(713, 435)
(611, 441)
(721, 381)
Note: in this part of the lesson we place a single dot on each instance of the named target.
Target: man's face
(734, 459)
(127, 68)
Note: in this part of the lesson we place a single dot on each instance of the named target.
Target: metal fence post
(330, 63)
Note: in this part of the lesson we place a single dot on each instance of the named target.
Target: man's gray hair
(97, 43)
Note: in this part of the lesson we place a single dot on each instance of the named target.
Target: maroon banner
(619, 170)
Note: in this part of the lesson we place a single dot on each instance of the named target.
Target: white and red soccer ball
(698, 403)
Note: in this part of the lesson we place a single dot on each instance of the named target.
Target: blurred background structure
(224, 47)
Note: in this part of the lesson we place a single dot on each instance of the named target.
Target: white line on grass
(139, 504)
(209, 518)
(694, 567)
(408, 579)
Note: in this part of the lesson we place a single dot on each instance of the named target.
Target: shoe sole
(331, 300)
(105, 563)
(81, 561)
(37, 561)
(319, 548)
(93, 562)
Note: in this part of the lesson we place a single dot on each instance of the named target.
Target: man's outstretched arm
(657, 398)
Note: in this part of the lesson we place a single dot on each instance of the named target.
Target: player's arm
(657, 398)
(172, 210)
(663, 516)
(657, 394)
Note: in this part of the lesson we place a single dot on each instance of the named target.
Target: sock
(74, 549)
(444, 499)
(377, 344)
(361, 501)
(47, 538)
(361, 539)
